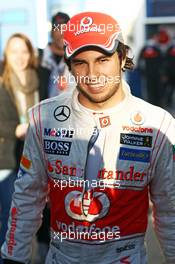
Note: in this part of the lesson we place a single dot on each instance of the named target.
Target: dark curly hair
(123, 52)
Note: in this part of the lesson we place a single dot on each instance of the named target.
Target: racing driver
(101, 151)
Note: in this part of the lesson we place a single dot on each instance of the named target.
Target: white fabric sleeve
(28, 200)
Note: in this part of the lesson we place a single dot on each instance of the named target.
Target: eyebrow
(75, 60)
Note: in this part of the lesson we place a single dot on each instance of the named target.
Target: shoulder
(138, 105)
(146, 106)
(47, 106)
(152, 114)
(6, 99)
(3, 90)
(5, 96)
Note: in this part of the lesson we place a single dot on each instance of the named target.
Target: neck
(21, 76)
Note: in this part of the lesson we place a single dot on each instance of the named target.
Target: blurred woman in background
(22, 85)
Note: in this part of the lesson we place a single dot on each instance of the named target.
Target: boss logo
(57, 147)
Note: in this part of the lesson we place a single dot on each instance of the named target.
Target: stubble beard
(101, 99)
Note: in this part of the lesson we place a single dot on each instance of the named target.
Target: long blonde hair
(7, 68)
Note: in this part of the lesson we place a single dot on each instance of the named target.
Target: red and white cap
(91, 29)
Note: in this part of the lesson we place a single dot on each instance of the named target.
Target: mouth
(95, 87)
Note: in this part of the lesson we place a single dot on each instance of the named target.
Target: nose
(19, 55)
(92, 72)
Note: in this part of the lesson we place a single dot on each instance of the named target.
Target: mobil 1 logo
(57, 147)
(136, 140)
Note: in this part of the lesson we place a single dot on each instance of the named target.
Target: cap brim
(92, 46)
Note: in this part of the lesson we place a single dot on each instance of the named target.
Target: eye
(78, 63)
(103, 60)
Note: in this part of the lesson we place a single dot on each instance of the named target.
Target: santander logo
(88, 206)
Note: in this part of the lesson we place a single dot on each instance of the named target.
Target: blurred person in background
(52, 57)
(22, 85)
(149, 63)
(170, 66)
(153, 66)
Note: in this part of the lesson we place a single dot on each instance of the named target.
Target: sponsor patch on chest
(134, 154)
(57, 147)
(136, 140)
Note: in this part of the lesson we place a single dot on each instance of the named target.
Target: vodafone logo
(105, 121)
(138, 129)
(137, 118)
(86, 21)
(91, 206)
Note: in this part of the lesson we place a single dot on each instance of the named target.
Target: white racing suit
(106, 223)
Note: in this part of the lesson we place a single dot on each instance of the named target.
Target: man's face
(98, 78)
(57, 36)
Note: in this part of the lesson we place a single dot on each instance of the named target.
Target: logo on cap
(86, 21)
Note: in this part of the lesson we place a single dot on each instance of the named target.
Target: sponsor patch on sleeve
(25, 162)
(134, 154)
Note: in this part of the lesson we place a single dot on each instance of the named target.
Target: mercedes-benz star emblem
(62, 113)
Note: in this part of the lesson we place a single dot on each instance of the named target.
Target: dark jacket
(8, 122)
(43, 75)
(11, 147)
